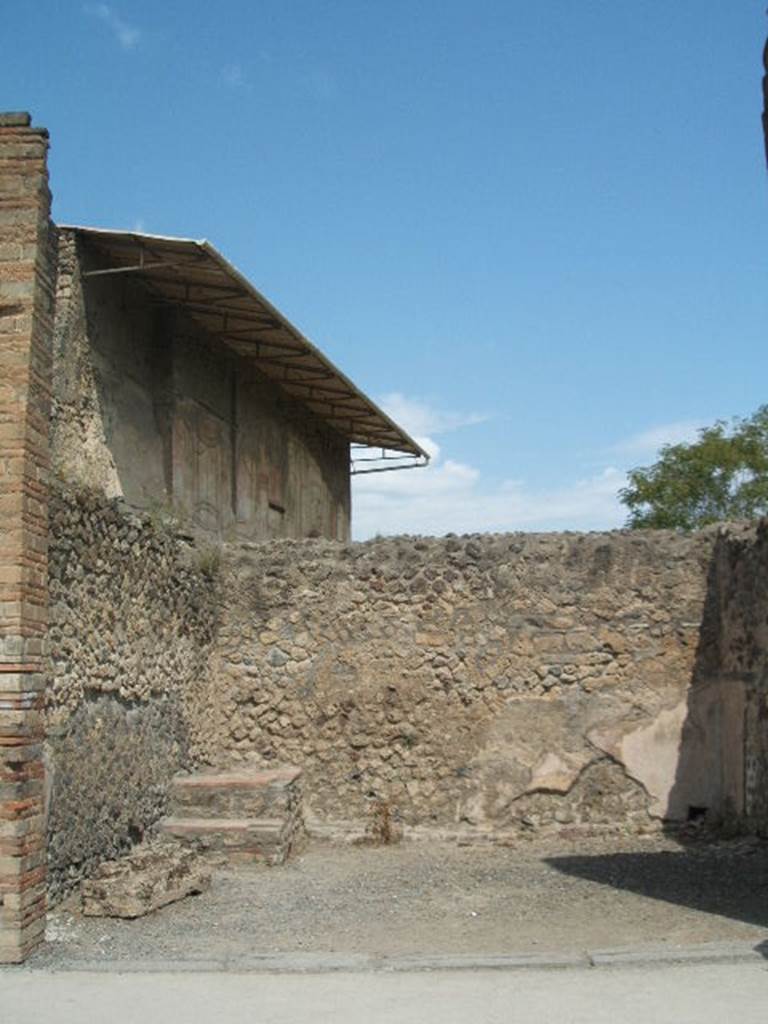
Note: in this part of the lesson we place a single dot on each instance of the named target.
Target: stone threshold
(325, 963)
(356, 831)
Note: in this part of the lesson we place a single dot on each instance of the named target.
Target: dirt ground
(430, 898)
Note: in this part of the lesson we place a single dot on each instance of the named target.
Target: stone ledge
(238, 779)
(235, 840)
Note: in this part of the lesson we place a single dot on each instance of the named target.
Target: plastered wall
(729, 700)
(148, 408)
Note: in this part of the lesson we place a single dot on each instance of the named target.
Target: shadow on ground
(728, 879)
(723, 735)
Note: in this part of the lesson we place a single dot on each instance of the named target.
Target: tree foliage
(722, 475)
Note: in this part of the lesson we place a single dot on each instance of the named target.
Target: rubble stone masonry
(133, 613)
(480, 687)
(489, 685)
(485, 686)
(26, 290)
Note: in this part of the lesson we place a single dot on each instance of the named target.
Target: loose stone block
(151, 877)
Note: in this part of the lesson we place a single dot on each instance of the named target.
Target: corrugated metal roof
(194, 275)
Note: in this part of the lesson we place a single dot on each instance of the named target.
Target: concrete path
(639, 993)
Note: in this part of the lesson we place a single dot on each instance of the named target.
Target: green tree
(722, 475)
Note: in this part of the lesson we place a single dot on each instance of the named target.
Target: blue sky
(536, 230)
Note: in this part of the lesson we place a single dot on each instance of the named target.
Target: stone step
(265, 840)
(253, 793)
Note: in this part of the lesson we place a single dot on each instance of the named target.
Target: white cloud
(451, 497)
(422, 419)
(648, 442)
(127, 35)
(448, 497)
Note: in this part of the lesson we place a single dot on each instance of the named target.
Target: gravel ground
(417, 898)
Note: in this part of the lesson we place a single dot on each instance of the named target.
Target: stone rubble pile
(152, 876)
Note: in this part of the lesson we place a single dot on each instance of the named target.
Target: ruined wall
(485, 686)
(133, 616)
(149, 408)
(27, 267)
(480, 684)
(728, 702)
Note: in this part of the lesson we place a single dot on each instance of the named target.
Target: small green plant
(207, 560)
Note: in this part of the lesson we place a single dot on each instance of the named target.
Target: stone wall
(728, 702)
(148, 406)
(478, 687)
(489, 684)
(26, 284)
(133, 615)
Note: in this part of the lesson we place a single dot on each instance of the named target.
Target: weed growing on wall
(207, 560)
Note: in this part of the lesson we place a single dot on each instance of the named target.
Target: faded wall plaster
(733, 692)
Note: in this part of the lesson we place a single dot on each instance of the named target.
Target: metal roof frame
(192, 274)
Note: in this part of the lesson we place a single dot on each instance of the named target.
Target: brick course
(26, 307)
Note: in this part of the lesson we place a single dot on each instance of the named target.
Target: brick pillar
(26, 306)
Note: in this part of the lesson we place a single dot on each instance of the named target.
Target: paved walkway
(642, 993)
